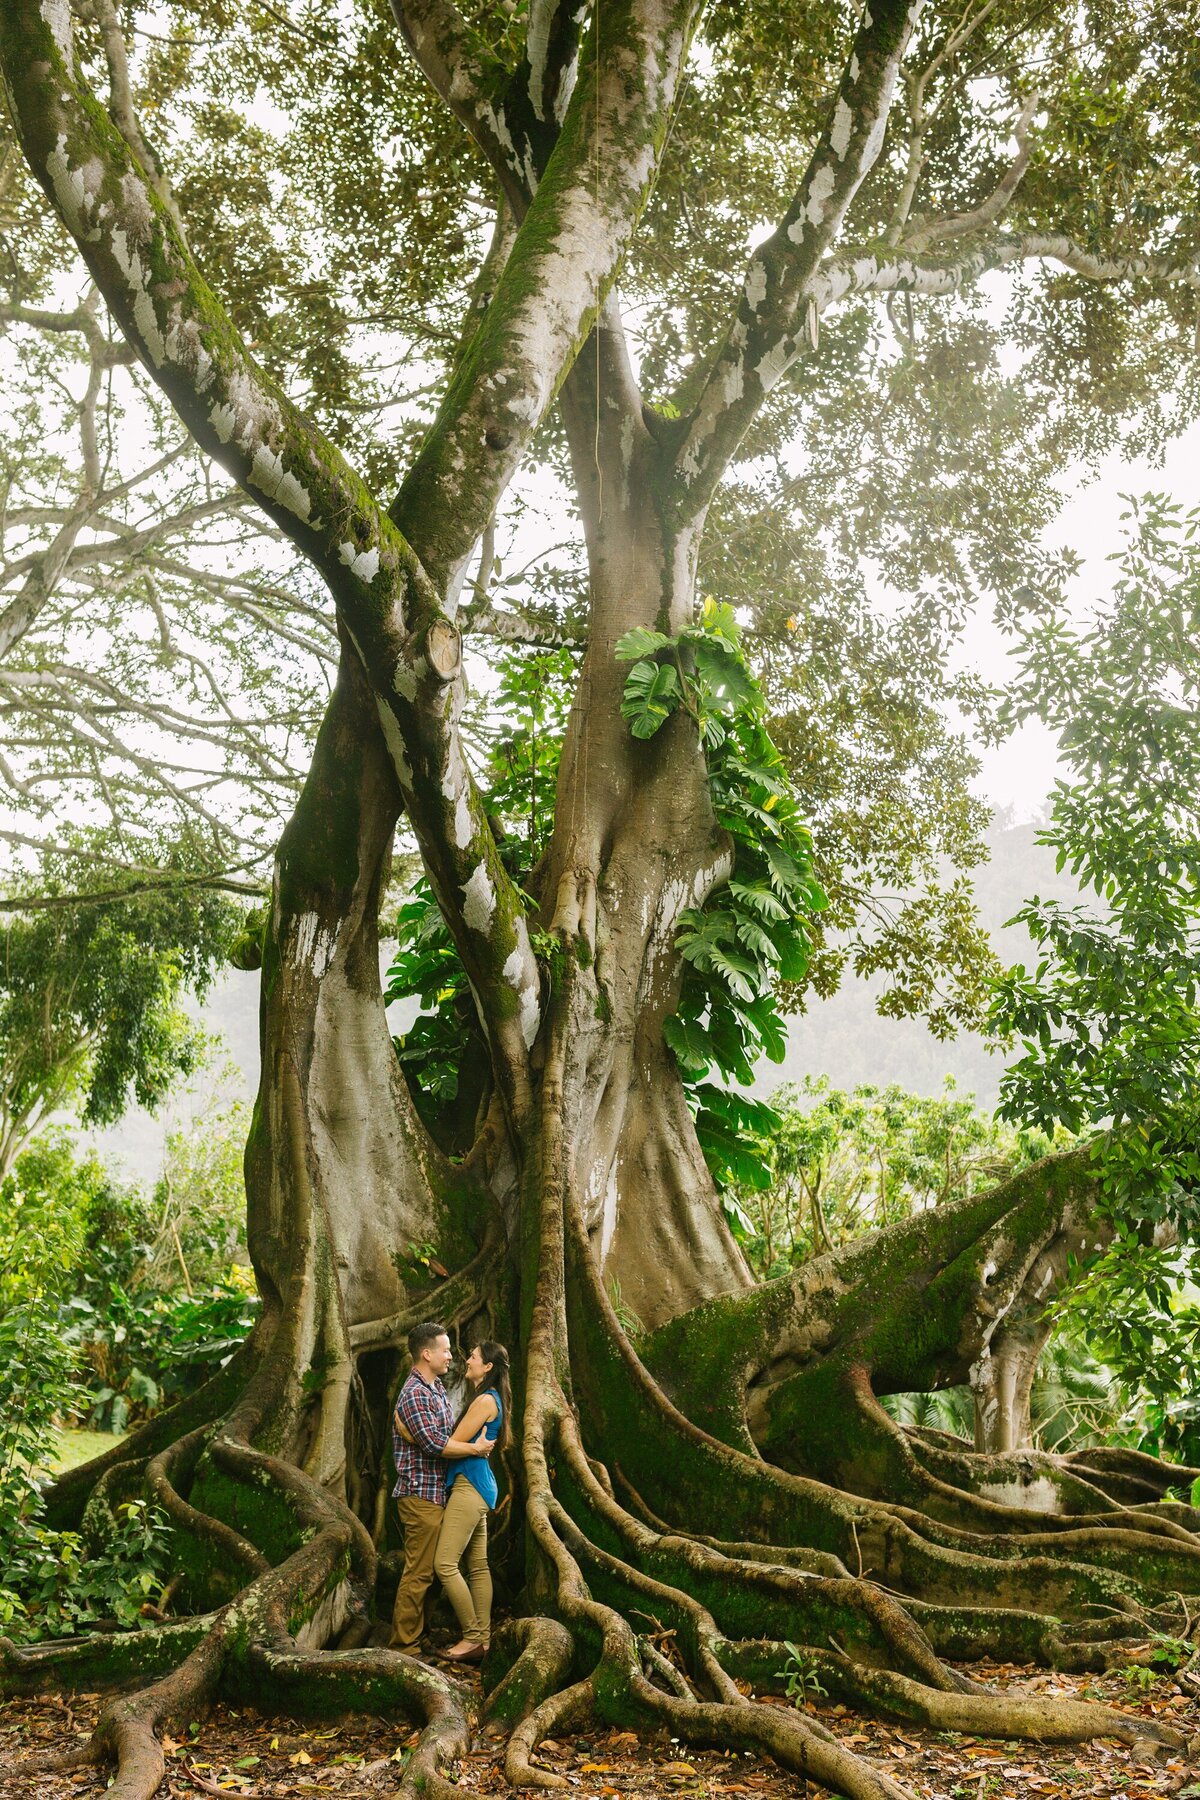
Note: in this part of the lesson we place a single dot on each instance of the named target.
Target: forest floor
(241, 1753)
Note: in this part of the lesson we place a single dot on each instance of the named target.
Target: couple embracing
(445, 1488)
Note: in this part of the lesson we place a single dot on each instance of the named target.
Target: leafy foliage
(89, 996)
(148, 1297)
(842, 1163)
(1138, 1305)
(1109, 1020)
(48, 1585)
(752, 931)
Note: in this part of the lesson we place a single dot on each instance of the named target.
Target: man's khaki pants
(422, 1520)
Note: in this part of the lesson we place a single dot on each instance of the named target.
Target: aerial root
(177, 1464)
(557, 1710)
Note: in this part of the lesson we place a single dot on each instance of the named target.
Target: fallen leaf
(676, 1769)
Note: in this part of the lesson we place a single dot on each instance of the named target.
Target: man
(422, 1422)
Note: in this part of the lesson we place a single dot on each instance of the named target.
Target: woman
(470, 1496)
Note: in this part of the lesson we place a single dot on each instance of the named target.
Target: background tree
(160, 665)
(1107, 1022)
(678, 883)
(90, 992)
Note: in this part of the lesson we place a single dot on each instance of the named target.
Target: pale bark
(586, 1169)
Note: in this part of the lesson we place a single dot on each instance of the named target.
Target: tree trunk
(735, 1477)
(737, 1480)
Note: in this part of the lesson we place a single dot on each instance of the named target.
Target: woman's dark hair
(498, 1378)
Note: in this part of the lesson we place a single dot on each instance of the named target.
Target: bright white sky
(1020, 772)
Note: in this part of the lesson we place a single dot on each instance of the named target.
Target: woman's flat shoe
(475, 1654)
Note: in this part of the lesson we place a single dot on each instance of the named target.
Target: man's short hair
(421, 1336)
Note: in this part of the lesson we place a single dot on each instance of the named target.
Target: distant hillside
(844, 1038)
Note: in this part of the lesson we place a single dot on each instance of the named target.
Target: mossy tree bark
(731, 1474)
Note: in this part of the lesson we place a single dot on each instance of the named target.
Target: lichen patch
(479, 900)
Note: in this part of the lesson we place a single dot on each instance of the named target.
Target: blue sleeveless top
(477, 1469)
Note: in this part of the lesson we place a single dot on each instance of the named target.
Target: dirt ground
(242, 1753)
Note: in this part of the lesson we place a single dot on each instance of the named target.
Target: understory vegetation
(115, 1301)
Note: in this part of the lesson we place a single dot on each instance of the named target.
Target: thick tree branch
(872, 272)
(550, 633)
(462, 70)
(552, 56)
(904, 270)
(776, 310)
(120, 102)
(978, 218)
(241, 418)
(562, 264)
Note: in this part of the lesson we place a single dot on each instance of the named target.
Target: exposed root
(54, 1762)
(66, 1497)
(544, 1651)
(615, 1582)
(978, 1713)
(229, 1548)
(332, 1682)
(787, 1737)
(102, 1659)
(564, 1708)
(1130, 1476)
(671, 1677)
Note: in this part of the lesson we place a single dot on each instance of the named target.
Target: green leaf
(766, 904)
(640, 642)
(767, 1028)
(651, 696)
(793, 955)
(690, 1042)
(729, 1156)
(751, 933)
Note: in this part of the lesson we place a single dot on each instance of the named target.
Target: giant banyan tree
(728, 1471)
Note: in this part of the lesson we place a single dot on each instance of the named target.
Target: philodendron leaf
(651, 696)
(691, 1044)
(638, 643)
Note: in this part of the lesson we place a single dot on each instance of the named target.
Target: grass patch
(74, 1447)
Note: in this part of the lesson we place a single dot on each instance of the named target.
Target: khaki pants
(422, 1520)
(464, 1528)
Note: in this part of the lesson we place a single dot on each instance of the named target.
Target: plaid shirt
(420, 1466)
